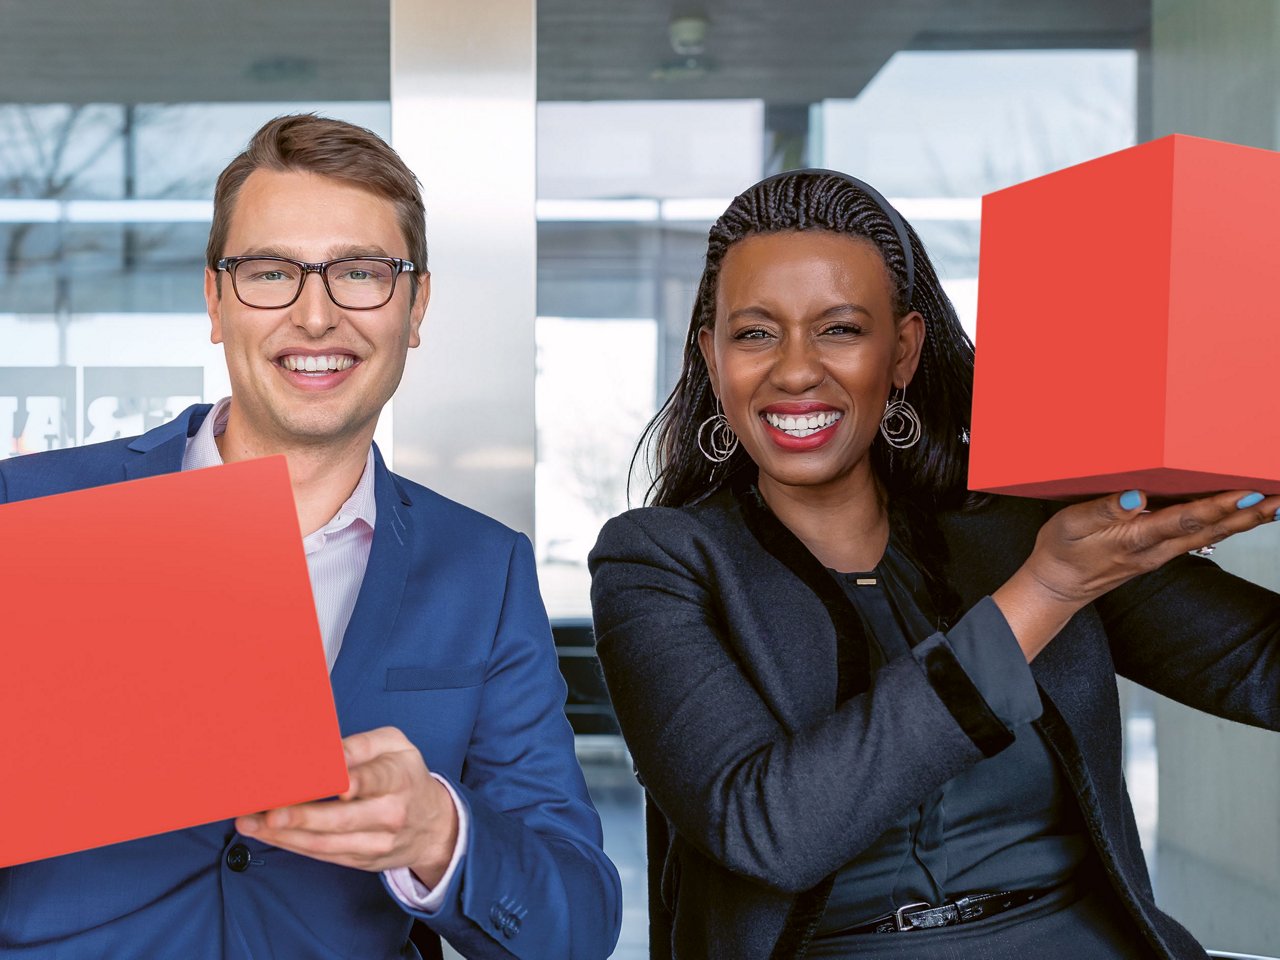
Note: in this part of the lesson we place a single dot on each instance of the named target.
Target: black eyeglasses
(353, 283)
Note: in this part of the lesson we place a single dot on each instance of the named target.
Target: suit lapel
(842, 647)
(378, 603)
(161, 450)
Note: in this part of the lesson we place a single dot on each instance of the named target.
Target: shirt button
(238, 858)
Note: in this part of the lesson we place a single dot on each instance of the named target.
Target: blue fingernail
(1249, 500)
(1130, 499)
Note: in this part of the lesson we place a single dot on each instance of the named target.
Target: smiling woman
(820, 648)
(809, 347)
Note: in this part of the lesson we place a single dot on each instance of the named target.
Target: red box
(1127, 335)
(160, 661)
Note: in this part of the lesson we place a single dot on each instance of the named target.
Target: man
(466, 808)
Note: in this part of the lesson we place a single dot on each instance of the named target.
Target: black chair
(588, 706)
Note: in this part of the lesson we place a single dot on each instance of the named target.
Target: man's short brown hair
(332, 148)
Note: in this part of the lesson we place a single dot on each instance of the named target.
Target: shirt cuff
(988, 652)
(411, 891)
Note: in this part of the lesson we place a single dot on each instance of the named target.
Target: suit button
(238, 858)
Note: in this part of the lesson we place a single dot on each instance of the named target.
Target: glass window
(106, 199)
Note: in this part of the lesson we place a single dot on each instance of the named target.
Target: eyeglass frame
(228, 265)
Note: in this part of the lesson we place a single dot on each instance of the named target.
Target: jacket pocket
(435, 678)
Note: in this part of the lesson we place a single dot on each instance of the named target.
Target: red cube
(1126, 326)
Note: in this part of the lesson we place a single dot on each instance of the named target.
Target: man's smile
(325, 363)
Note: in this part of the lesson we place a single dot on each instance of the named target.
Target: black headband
(895, 218)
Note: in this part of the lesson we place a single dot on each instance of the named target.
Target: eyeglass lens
(272, 283)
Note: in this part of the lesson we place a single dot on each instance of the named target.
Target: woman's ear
(707, 344)
(911, 334)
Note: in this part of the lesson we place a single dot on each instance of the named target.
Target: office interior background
(573, 155)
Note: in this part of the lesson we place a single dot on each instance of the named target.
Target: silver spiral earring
(900, 424)
(721, 439)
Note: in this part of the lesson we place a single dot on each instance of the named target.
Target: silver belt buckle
(901, 922)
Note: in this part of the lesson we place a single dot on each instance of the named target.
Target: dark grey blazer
(717, 632)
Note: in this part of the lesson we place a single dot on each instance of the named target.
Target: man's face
(312, 218)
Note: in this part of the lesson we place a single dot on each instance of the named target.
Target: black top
(1007, 823)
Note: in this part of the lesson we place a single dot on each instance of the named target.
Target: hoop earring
(722, 440)
(900, 424)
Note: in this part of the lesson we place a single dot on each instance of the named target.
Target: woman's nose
(797, 366)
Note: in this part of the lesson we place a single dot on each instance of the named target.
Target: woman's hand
(1086, 549)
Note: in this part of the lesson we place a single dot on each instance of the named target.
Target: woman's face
(804, 351)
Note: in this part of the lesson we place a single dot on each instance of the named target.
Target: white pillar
(463, 107)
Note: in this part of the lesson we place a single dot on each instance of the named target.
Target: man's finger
(386, 773)
(352, 816)
(363, 747)
(360, 850)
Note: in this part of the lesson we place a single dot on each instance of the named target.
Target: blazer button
(504, 921)
(238, 858)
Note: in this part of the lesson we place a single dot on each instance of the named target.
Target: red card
(160, 660)
(1126, 334)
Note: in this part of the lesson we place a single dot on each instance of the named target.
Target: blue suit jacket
(449, 642)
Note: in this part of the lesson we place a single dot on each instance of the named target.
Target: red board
(1126, 326)
(160, 660)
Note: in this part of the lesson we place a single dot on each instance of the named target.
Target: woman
(875, 716)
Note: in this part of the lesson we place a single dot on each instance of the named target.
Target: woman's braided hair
(928, 476)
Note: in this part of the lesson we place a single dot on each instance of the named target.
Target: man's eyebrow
(357, 251)
(333, 253)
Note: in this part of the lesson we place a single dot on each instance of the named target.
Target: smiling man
(466, 807)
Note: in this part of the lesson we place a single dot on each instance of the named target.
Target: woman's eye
(839, 329)
(751, 334)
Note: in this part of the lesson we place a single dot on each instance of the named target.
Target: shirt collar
(202, 451)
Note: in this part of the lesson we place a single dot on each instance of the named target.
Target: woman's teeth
(804, 425)
(298, 363)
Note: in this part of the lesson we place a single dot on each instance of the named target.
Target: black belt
(921, 916)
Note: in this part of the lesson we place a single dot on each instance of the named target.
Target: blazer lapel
(160, 451)
(845, 647)
(378, 603)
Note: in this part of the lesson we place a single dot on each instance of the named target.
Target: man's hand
(393, 814)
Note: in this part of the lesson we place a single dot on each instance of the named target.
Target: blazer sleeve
(534, 881)
(781, 805)
(1199, 635)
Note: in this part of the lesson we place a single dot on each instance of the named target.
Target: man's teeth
(296, 362)
(803, 426)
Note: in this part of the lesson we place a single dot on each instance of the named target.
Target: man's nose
(314, 310)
